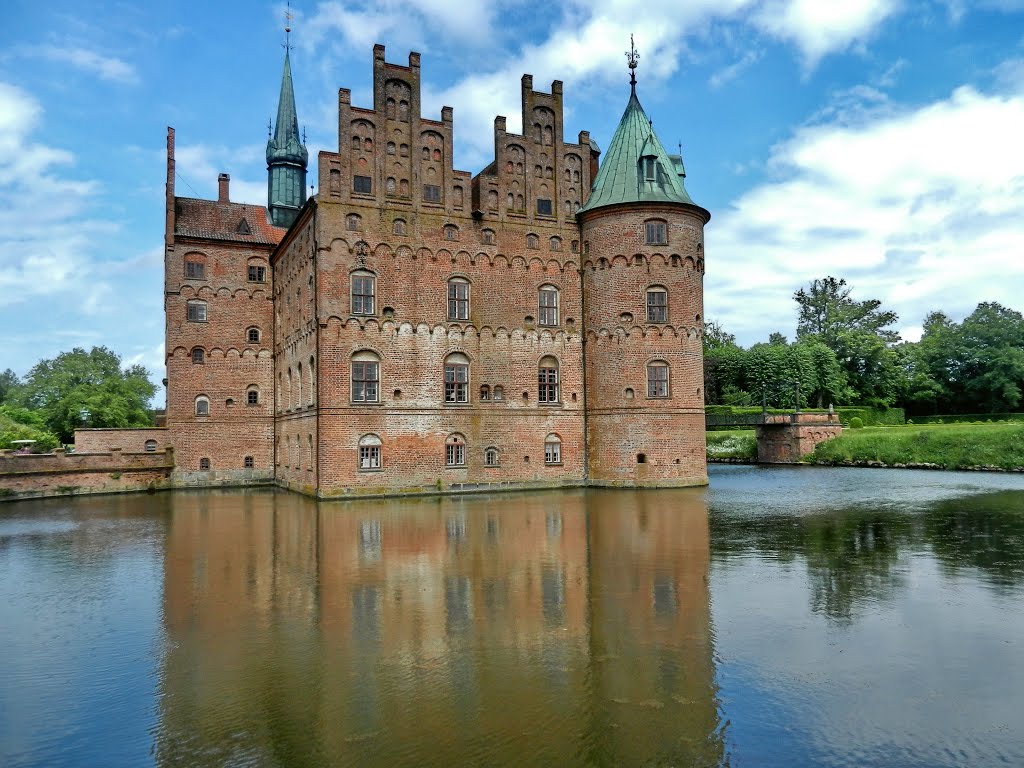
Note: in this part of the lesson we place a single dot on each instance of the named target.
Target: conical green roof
(623, 178)
(285, 145)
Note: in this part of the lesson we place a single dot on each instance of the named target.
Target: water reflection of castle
(568, 628)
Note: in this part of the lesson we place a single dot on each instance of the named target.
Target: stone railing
(60, 474)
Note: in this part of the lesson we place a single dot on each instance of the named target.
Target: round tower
(643, 270)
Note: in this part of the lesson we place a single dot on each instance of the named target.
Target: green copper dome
(287, 157)
(636, 168)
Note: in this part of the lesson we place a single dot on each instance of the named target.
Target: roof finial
(632, 57)
(288, 27)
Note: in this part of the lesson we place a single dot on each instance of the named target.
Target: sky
(881, 141)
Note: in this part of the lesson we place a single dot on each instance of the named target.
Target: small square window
(431, 193)
(197, 311)
(204, 464)
(657, 233)
(254, 335)
(543, 207)
(195, 270)
(252, 397)
(362, 184)
(249, 463)
(257, 274)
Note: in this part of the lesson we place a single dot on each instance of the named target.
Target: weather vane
(288, 26)
(633, 57)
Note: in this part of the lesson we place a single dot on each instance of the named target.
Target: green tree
(716, 337)
(80, 388)
(858, 333)
(991, 368)
(9, 383)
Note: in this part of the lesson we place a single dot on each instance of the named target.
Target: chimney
(223, 181)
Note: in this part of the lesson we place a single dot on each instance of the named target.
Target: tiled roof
(619, 179)
(209, 219)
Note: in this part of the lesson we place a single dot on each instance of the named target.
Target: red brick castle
(413, 328)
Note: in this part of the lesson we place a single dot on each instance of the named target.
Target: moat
(779, 617)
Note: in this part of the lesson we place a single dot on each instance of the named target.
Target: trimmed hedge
(967, 418)
(871, 417)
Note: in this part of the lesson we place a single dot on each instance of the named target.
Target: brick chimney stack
(223, 182)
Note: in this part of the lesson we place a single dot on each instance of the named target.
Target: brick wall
(127, 440)
(60, 474)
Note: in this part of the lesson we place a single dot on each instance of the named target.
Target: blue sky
(876, 140)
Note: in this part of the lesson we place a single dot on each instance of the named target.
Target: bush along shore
(988, 446)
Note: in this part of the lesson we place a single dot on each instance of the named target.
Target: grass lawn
(732, 444)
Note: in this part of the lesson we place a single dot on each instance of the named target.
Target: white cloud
(199, 165)
(104, 67)
(922, 208)
(734, 70)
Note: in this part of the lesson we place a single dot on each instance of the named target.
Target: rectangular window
(650, 169)
(257, 274)
(456, 383)
(252, 397)
(657, 233)
(195, 270)
(491, 458)
(543, 207)
(362, 184)
(458, 300)
(362, 295)
(369, 457)
(455, 455)
(365, 381)
(548, 306)
(197, 311)
(657, 307)
(657, 381)
(431, 193)
(547, 390)
(552, 453)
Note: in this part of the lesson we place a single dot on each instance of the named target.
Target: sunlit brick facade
(420, 329)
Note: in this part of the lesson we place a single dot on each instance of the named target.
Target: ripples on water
(781, 617)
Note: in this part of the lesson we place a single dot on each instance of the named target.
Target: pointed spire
(287, 157)
(633, 58)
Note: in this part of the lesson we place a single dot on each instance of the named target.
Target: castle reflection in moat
(557, 628)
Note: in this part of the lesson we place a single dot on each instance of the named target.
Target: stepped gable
(213, 220)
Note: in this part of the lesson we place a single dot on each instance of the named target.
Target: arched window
(312, 379)
(204, 464)
(369, 452)
(656, 232)
(547, 380)
(252, 395)
(248, 462)
(657, 379)
(532, 241)
(499, 393)
(298, 386)
(365, 377)
(195, 266)
(196, 311)
(364, 286)
(256, 271)
(252, 335)
(353, 222)
(555, 243)
(552, 449)
(649, 167)
(488, 236)
(485, 392)
(657, 304)
(202, 405)
(491, 456)
(150, 446)
(198, 356)
(455, 451)
(399, 227)
(548, 300)
(456, 378)
(458, 298)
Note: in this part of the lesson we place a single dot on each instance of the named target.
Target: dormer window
(649, 165)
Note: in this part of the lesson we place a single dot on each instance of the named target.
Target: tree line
(847, 352)
(73, 390)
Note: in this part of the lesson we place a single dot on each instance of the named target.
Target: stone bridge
(783, 438)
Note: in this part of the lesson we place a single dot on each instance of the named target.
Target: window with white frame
(547, 380)
(364, 287)
(657, 305)
(195, 269)
(253, 335)
(552, 449)
(455, 451)
(491, 457)
(456, 379)
(365, 377)
(369, 452)
(150, 446)
(458, 299)
(196, 311)
(657, 379)
(202, 405)
(548, 300)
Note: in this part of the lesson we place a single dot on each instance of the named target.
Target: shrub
(856, 423)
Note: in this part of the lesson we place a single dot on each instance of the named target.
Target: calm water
(781, 617)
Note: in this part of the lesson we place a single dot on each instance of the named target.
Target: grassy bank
(957, 446)
(736, 444)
